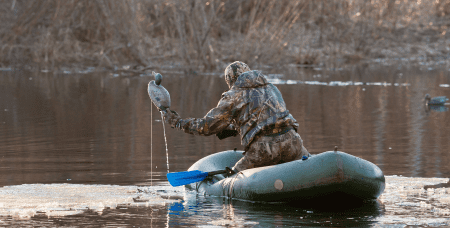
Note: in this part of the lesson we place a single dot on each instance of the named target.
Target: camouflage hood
(251, 79)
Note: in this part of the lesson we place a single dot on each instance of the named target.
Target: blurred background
(208, 34)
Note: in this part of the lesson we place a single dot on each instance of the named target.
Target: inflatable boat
(331, 175)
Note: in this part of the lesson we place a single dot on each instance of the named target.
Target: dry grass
(206, 34)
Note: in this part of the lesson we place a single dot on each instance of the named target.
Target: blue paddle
(189, 177)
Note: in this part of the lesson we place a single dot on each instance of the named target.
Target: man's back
(258, 106)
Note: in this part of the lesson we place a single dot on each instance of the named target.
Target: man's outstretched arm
(215, 121)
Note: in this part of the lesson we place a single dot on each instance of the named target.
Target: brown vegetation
(206, 34)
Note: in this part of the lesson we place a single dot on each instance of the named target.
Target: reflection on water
(241, 213)
(94, 128)
(437, 108)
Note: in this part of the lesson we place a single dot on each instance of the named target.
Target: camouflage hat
(233, 71)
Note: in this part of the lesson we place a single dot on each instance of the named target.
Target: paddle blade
(186, 177)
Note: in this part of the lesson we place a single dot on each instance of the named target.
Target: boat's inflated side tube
(329, 174)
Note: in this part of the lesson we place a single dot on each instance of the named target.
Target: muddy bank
(207, 35)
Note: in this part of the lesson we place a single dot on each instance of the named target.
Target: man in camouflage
(255, 109)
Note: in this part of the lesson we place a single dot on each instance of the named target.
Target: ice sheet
(407, 202)
(278, 81)
(404, 201)
(26, 201)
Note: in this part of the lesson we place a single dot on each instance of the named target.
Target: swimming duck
(435, 100)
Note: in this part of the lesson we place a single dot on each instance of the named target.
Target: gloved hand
(230, 171)
(170, 117)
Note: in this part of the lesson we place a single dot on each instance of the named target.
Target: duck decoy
(435, 100)
(158, 94)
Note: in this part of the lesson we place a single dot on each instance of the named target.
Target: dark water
(95, 129)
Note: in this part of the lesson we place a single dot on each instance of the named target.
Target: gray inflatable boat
(331, 175)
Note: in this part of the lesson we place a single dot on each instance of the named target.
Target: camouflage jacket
(252, 105)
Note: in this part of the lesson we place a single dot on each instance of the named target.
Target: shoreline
(132, 70)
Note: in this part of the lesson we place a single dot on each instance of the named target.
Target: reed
(207, 34)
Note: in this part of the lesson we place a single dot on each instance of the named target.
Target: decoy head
(427, 98)
(158, 78)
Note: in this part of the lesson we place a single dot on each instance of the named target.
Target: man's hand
(170, 117)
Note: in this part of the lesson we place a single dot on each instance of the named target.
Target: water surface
(92, 132)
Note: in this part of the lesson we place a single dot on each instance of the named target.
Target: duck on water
(441, 100)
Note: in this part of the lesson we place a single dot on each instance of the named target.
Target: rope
(151, 145)
(165, 140)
